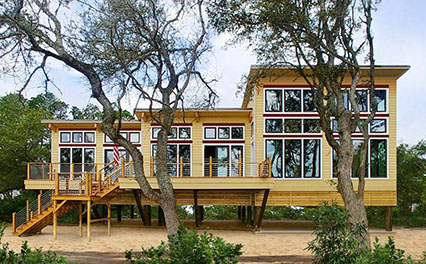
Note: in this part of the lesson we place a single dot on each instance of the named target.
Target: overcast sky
(400, 37)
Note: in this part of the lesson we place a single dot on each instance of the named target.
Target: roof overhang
(145, 114)
(55, 125)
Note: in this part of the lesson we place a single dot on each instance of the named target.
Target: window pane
(308, 101)
(362, 97)
(185, 153)
(77, 137)
(292, 100)
(65, 159)
(172, 160)
(378, 149)
(335, 126)
(89, 159)
(77, 159)
(89, 137)
(124, 134)
(378, 126)
(273, 101)
(109, 156)
(155, 131)
(358, 144)
(134, 137)
(274, 126)
(311, 126)
(293, 152)
(174, 133)
(312, 156)
(223, 132)
(292, 126)
(184, 132)
(335, 158)
(107, 139)
(223, 161)
(361, 123)
(237, 133)
(210, 132)
(380, 96)
(65, 137)
(236, 153)
(275, 153)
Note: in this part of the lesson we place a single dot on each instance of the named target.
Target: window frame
(151, 154)
(230, 145)
(230, 127)
(60, 137)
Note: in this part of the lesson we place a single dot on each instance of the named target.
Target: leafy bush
(337, 241)
(188, 247)
(27, 255)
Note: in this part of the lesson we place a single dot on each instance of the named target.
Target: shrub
(188, 247)
(27, 255)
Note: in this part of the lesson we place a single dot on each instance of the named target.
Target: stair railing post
(42, 171)
(28, 210)
(39, 204)
(14, 222)
(89, 181)
(211, 166)
(240, 172)
(123, 166)
(31, 215)
(100, 181)
(28, 171)
(50, 171)
(181, 167)
(269, 168)
(72, 171)
(56, 183)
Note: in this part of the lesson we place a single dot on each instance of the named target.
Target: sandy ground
(268, 246)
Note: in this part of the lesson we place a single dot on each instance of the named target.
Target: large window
(225, 160)
(302, 158)
(76, 160)
(376, 159)
(175, 153)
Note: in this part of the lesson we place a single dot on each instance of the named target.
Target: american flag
(115, 154)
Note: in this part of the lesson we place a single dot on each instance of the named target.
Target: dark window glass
(274, 125)
(293, 156)
(275, 153)
(174, 133)
(293, 126)
(172, 160)
(308, 101)
(89, 159)
(89, 137)
(77, 137)
(311, 158)
(335, 158)
(77, 159)
(65, 137)
(378, 126)
(65, 159)
(155, 131)
(184, 132)
(185, 154)
(134, 137)
(311, 126)
(236, 154)
(223, 132)
(361, 96)
(273, 101)
(109, 156)
(380, 96)
(237, 133)
(209, 132)
(292, 101)
(378, 166)
(358, 145)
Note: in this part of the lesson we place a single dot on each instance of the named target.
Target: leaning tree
(323, 41)
(152, 47)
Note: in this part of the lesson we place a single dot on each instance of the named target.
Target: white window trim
(76, 131)
(177, 133)
(290, 134)
(83, 151)
(216, 127)
(190, 158)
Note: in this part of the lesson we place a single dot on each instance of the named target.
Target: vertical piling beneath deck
(109, 218)
(88, 212)
(388, 224)
(55, 219)
(80, 218)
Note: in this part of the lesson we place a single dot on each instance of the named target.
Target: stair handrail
(33, 209)
(113, 176)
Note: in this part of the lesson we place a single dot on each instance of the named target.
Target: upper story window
(77, 137)
(224, 132)
(297, 100)
(133, 137)
(177, 132)
(376, 126)
(292, 125)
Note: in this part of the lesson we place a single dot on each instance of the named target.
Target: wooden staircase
(37, 223)
(39, 213)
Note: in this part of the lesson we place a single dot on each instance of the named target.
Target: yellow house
(268, 152)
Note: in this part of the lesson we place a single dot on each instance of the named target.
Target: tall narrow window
(236, 154)
(89, 159)
(172, 160)
(358, 145)
(308, 101)
(312, 154)
(361, 96)
(185, 153)
(380, 96)
(378, 158)
(77, 160)
(273, 101)
(293, 153)
(65, 159)
(292, 101)
(155, 131)
(275, 153)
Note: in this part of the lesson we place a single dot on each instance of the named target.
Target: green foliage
(50, 104)
(27, 255)
(93, 112)
(188, 247)
(225, 212)
(8, 206)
